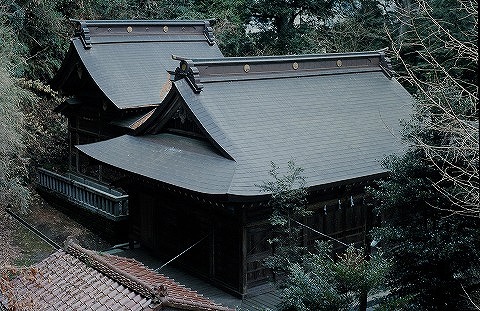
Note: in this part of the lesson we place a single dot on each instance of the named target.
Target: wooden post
(368, 225)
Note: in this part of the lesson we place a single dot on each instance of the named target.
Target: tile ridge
(192, 305)
(100, 263)
(169, 300)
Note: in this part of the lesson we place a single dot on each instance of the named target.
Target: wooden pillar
(212, 246)
(243, 252)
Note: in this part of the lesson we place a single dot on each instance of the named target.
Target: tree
(429, 203)
(288, 202)
(443, 72)
(13, 160)
(359, 26)
(285, 26)
(433, 256)
(321, 282)
(42, 30)
(314, 279)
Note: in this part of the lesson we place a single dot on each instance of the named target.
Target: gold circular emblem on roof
(165, 28)
(246, 68)
(129, 29)
(295, 66)
(339, 63)
(183, 66)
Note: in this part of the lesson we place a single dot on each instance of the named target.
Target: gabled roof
(128, 60)
(80, 279)
(336, 115)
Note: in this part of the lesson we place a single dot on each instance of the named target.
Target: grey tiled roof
(130, 68)
(336, 127)
(338, 124)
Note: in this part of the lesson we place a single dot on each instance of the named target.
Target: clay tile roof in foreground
(79, 279)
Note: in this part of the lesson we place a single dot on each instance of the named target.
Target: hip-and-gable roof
(336, 115)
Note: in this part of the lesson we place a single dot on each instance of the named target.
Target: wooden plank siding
(169, 224)
(232, 237)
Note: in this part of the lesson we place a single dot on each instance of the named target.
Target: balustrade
(85, 193)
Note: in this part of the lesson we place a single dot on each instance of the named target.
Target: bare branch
(446, 104)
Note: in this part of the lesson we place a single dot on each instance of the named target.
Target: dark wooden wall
(168, 223)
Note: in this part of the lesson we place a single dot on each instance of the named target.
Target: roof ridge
(202, 70)
(96, 261)
(171, 301)
(191, 305)
(130, 30)
(284, 58)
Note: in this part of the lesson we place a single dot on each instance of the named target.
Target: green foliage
(287, 27)
(299, 27)
(321, 283)
(13, 162)
(46, 132)
(430, 203)
(433, 255)
(31, 134)
(231, 18)
(360, 27)
(126, 9)
(288, 202)
(314, 280)
(42, 30)
(437, 40)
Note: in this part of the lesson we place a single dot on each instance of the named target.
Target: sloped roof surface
(128, 60)
(177, 160)
(337, 120)
(336, 127)
(79, 279)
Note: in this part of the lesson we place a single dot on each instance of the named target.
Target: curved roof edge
(175, 160)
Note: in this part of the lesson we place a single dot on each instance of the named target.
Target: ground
(21, 247)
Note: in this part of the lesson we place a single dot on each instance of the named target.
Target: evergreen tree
(359, 26)
(435, 257)
(288, 202)
(314, 279)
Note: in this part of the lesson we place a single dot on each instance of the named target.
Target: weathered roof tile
(84, 284)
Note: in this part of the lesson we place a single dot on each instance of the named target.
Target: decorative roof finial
(386, 64)
(187, 70)
(82, 31)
